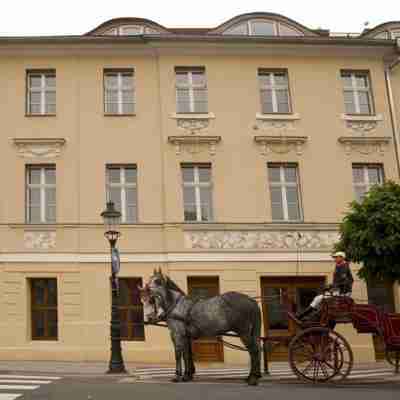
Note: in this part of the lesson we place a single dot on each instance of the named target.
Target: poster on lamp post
(115, 261)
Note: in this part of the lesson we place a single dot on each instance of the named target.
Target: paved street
(112, 387)
(214, 383)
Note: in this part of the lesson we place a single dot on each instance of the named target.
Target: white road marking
(18, 387)
(29, 377)
(9, 396)
(24, 381)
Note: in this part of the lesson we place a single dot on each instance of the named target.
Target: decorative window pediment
(365, 144)
(39, 148)
(281, 144)
(194, 143)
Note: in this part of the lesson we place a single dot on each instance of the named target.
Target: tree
(370, 233)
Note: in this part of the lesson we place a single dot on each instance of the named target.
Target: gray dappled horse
(190, 318)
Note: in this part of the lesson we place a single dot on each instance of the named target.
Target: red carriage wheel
(319, 354)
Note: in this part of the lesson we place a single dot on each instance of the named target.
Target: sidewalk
(100, 368)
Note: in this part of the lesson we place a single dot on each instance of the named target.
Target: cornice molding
(152, 258)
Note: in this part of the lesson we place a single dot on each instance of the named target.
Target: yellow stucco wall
(241, 198)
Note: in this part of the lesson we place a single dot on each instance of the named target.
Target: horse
(189, 318)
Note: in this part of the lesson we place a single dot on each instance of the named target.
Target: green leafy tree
(370, 233)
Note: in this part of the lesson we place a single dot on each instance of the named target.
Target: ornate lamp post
(112, 218)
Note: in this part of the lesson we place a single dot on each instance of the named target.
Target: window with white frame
(364, 177)
(357, 92)
(119, 93)
(274, 92)
(284, 192)
(122, 190)
(191, 90)
(260, 27)
(41, 194)
(395, 34)
(197, 192)
(41, 92)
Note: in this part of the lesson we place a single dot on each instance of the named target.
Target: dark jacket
(343, 278)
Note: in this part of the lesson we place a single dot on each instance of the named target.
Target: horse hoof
(187, 378)
(177, 379)
(252, 381)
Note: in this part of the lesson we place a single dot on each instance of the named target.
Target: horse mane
(173, 286)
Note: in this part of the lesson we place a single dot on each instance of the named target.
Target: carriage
(318, 354)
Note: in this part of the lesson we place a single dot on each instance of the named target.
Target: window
(122, 190)
(365, 176)
(274, 92)
(259, 27)
(131, 309)
(197, 192)
(131, 30)
(284, 190)
(357, 92)
(119, 92)
(191, 90)
(44, 315)
(395, 34)
(41, 194)
(41, 92)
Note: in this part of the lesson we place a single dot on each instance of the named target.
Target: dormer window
(131, 30)
(259, 27)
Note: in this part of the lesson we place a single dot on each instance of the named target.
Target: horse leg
(178, 361)
(187, 357)
(192, 366)
(253, 348)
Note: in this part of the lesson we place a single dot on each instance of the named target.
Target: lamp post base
(116, 369)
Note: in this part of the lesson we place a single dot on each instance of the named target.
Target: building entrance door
(381, 294)
(207, 349)
(278, 294)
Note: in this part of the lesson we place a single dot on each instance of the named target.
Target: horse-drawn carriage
(317, 353)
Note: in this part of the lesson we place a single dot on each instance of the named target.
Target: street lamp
(112, 218)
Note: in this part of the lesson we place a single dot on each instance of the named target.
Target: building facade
(232, 153)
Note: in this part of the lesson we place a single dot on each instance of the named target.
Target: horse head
(158, 296)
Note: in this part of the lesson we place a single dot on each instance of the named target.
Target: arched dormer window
(131, 30)
(262, 27)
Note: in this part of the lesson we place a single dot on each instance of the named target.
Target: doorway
(381, 294)
(207, 349)
(280, 294)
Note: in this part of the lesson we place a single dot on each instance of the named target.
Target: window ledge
(280, 117)
(39, 115)
(193, 116)
(362, 118)
(120, 115)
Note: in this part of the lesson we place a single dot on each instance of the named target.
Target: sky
(75, 17)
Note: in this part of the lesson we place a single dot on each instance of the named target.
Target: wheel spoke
(324, 370)
(304, 372)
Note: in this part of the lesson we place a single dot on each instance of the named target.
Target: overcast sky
(75, 17)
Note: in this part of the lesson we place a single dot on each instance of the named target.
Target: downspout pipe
(395, 129)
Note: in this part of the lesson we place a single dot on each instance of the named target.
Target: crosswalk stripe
(9, 396)
(18, 387)
(24, 381)
(281, 373)
(6, 376)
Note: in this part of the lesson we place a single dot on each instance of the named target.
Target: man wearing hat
(341, 286)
